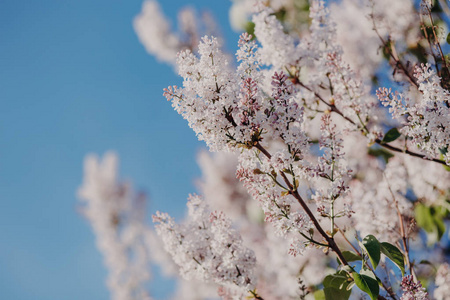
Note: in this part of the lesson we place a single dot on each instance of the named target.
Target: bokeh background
(74, 80)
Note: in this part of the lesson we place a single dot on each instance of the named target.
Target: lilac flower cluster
(115, 215)
(413, 290)
(442, 291)
(207, 248)
(425, 116)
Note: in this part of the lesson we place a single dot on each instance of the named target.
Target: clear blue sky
(73, 80)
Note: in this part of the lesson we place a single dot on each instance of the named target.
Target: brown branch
(255, 295)
(402, 231)
(330, 240)
(331, 243)
(348, 242)
(444, 73)
(393, 54)
(396, 149)
(333, 108)
(436, 38)
(423, 27)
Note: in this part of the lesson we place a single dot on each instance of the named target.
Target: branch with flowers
(320, 165)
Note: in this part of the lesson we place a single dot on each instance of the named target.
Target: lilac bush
(314, 189)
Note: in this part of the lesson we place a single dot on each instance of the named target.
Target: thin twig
(331, 243)
(436, 38)
(255, 295)
(388, 290)
(393, 54)
(395, 149)
(333, 108)
(402, 231)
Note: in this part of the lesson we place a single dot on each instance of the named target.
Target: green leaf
(336, 294)
(281, 14)
(394, 254)
(387, 50)
(442, 156)
(440, 226)
(369, 273)
(426, 262)
(367, 284)
(448, 38)
(335, 286)
(373, 249)
(418, 51)
(250, 29)
(391, 135)
(284, 193)
(430, 219)
(349, 269)
(319, 295)
(447, 168)
(381, 153)
(351, 256)
(424, 218)
(336, 280)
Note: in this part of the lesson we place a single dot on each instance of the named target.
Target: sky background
(74, 79)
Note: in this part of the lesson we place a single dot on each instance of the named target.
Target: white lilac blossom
(188, 24)
(442, 291)
(156, 35)
(240, 13)
(433, 186)
(353, 26)
(426, 117)
(115, 215)
(154, 32)
(413, 290)
(332, 169)
(397, 20)
(207, 248)
(228, 111)
(220, 187)
(209, 97)
(249, 58)
(277, 273)
(286, 116)
(227, 118)
(356, 22)
(194, 290)
(209, 89)
(259, 175)
(321, 55)
(349, 94)
(294, 13)
(277, 48)
(378, 200)
(185, 289)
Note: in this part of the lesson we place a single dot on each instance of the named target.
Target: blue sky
(74, 80)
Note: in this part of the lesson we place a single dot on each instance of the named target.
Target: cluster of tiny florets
(425, 117)
(412, 290)
(206, 247)
(115, 215)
